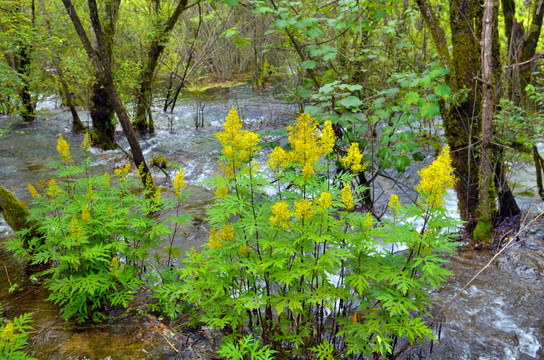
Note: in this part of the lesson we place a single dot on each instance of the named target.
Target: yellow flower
(281, 215)
(304, 209)
(324, 201)
(353, 159)
(52, 188)
(328, 138)
(222, 192)
(368, 222)
(394, 203)
(85, 214)
(217, 238)
(277, 158)
(86, 142)
(304, 143)
(239, 145)
(436, 179)
(33, 191)
(63, 148)
(179, 181)
(76, 230)
(347, 197)
(8, 333)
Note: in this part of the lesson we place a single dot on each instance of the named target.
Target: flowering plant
(304, 270)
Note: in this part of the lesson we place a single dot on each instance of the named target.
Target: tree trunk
(28, 111)
(486, 203)
(102, 116)
(77, 124)
(142, 122)
(102, 65)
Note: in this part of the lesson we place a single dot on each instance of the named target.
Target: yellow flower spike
(217, 238)
(63, 148)
(8, 333)
(436, 179)
(281, 215)
(394, 203)
(33, 191)
(353, 159)
(227, 233)
(324, 201)
(368, 222)
(85, 214)
(347, 197)
(86, 145)
(277, 158)
(126, 169)
(304, 209)
(52, 188)
(328, 138)
(222, 192)
(213, 241)
(179, 181)
(238, 145)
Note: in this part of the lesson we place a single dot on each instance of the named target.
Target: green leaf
(351, 102)
(412, 98)
(442, 90)
(401, 163)
(308, 64)
(430, 110)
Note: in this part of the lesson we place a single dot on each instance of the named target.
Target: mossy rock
(15, 211)
(482, 232)
(160, 162)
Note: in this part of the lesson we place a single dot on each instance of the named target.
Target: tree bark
(102, 65)
(486, 201)
(142, 123)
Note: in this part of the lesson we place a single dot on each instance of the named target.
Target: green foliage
(246, 348)
(284, 267)
(13, 338)
(97, 235)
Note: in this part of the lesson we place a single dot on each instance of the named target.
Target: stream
(497, 317)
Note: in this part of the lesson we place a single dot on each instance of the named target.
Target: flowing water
(497, 317)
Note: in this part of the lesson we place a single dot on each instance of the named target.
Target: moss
(160, 161)
(15, 211)
(482, 231)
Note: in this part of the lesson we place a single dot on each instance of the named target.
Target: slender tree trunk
(486, 204)
(102, 65)
(28, 111)
(142, 122)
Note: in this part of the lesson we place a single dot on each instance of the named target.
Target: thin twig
(10, 284)
(169, 343)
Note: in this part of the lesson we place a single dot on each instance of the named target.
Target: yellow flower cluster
(122, 172)
(85, 214)
(304, 209)
(76, 230)
(217, 238)
(86, 142)
(394, 203)
(353, 159)
(347, 197)
(63, 148)
(179, 181)
(239, 145)
(324, 201)
(33, 191)
(436, 179)
(8, 333)
(222, 192)
(306, 143)
(368, 222)
(52, 188)
(281, 215)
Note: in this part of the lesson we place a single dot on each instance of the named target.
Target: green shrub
(302, 270)
(13, 338)
(97, 235)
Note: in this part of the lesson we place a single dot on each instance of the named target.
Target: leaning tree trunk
(102, 65)
(102, 116)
